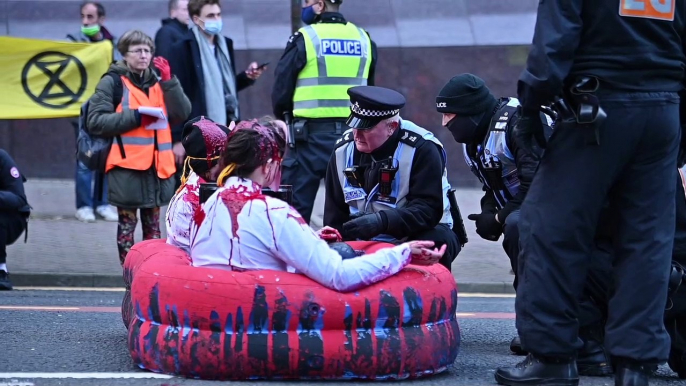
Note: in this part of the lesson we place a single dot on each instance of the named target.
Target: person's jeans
(86, 194)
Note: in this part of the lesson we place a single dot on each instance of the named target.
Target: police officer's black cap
(464, 94)
(198, 133)
(371, 105)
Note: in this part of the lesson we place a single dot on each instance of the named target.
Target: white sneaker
(85, 214)
(107, 212)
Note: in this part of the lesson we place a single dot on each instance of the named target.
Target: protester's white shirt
(272, 235)
(180, 212)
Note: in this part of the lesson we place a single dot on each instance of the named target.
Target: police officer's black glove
(364, 227)
(487, 226)
(529, 127)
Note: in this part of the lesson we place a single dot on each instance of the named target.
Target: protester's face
(207, 13)
(89, 16)
(367, 141)
(447, 117)
(180, 13)
(138, 57)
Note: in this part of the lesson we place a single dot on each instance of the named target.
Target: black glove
(487, 226)
(363, 227)
(527, 127)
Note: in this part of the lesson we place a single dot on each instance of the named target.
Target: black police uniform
(419, 218)
(14, 210)
(631, 63)
(305, 166)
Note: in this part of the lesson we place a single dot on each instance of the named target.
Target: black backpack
(93, 150)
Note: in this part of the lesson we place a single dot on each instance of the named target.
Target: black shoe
(532, 371)
(516, 346)
(592, 360)
(677, 362)
(5, 284)
(632, 376)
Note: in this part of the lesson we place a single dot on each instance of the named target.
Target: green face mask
(90, 31)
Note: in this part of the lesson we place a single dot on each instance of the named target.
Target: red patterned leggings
(150, 217)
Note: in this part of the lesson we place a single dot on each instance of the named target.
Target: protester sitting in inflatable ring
(238, 228)
(203, 141)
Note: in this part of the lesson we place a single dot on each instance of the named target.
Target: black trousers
(12, 225)
(441, 235)
(633, 167)
(305, 166)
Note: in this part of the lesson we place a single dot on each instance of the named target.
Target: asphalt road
(83, 333)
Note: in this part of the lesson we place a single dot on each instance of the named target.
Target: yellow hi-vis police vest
(338, 57)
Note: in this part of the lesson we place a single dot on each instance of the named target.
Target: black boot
(516, 346)
(5, 283)
(593, 360)
(632, 375)
(533, 371)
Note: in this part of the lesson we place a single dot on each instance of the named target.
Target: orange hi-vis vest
(142, 147)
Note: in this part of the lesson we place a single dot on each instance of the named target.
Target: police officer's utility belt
(302, 128)
(581, 106)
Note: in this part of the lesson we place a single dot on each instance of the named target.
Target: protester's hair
(173, 4)
(134, 37)
(99, 7)
(195, 6)
(249, 146)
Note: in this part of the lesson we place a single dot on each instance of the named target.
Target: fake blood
(215, 138)
(235, 198)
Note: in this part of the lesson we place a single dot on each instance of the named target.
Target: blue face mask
(213, 27)
(308, 16)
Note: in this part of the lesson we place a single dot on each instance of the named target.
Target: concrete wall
(422, 43)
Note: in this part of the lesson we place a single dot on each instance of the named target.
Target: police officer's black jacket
(293, 61)
(12, 195)
(589, 37)
(679, 254)
(424, 207)
(526, 163)
(172, 31)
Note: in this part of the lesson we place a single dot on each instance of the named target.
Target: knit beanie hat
(466, 95)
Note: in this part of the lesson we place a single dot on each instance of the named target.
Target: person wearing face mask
(485, 125)
(140, 165)
(92, 28)
(238, 228)
(205, 65)
(321, 61)
(387, 179)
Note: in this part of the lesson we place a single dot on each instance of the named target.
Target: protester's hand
(179, 153)
(329, 234)
(253, 72)
(527, 128)
(364, 227)
(422, 254)
(163, 66)
(146, 120)
(487, 226)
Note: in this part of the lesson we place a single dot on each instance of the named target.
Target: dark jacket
(171, 32)
(591, 37)
(424, 207)
(12, 195)
(185, 61)
(293, 61)
(134, 188)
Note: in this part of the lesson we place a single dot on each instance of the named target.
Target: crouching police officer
(322, 60)
(616, 141)
(387, 178)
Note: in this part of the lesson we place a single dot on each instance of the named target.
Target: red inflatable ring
(223, 325)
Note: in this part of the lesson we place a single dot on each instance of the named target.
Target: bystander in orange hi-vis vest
(139, 143)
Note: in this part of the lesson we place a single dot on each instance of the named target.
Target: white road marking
(141, 375)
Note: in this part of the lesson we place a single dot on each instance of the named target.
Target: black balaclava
(467, 97)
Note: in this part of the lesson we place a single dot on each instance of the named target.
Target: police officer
(387, 178)
(484, 125)
(616, 67)
(322, 60)
(14, 211)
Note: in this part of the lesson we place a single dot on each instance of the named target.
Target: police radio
(352, 174)
(386, 176)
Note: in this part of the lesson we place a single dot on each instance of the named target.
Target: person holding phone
(139, 175)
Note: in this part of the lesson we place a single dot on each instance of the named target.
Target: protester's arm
(102, 119)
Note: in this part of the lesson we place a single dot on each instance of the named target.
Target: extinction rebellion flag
(49, 79)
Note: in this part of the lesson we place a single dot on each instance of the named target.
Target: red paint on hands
(329, 234)
(163, 66)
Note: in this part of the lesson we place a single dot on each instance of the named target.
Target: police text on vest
(341, 47)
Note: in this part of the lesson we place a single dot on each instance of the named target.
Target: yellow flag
(49, 79)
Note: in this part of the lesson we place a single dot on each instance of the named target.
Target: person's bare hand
(422, 254)
(179, 153)
(329, 234)
(253, 72)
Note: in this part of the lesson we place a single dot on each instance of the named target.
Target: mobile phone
(263, 65)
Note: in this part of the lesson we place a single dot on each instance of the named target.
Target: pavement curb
(47, 279)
